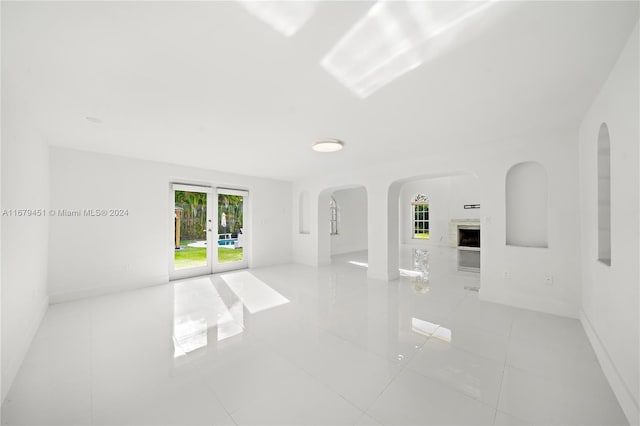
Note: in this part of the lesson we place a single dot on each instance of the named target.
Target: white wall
(464, 190)
(447, 197)
(510, 275)
(97, 255)
(610, 293)
(352, 221)
(517, 275)
(25, 185)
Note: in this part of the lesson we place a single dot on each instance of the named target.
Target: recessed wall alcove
(304, 213)
(604, 195)
(526, 201)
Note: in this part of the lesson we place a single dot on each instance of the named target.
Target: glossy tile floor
(300, 345)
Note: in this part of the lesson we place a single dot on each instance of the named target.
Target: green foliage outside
(231, 206)
(193, 218)
(421, 221)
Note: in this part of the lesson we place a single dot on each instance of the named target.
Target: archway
(429, 214)
(342, 222)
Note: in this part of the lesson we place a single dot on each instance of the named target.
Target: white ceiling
(208, 84)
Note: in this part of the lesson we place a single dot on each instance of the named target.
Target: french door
(209, 230)
(231, 244)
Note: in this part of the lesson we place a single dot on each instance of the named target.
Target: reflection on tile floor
(299, 345)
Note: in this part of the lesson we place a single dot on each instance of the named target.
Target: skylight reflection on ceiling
(395, 37)
(286, 17)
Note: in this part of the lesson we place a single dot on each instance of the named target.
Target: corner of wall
(12, 366)
(106, 289)
(621, 391)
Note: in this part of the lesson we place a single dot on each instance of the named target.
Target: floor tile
(478, 341)
(175, 405)
(540, 400)
(53, 403)
(366, 420)
(414, 399)
(463, 371)
(248, 377)
(300, 401)
(504, 419)
(356, 374)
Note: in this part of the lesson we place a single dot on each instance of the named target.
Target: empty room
(320, 212)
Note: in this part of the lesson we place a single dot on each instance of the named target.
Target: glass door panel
(232, 233)
(192, 231)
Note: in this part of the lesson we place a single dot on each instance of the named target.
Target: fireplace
(468, 237)
(464, 234)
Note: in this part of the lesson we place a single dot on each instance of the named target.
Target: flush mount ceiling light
(328, 145)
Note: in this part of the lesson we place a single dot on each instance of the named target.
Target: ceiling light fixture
(328, 145)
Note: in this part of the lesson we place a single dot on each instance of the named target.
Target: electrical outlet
(548, 280)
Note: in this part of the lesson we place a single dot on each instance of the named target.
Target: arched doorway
(342, 223)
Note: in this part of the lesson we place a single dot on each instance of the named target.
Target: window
(420, 205)
(333, 217)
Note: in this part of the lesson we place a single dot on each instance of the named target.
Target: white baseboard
(347, 250)
(11, 366)
(84, 293)
(623, 394)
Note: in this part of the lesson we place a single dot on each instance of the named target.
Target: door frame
(212, 266)
(176, 274)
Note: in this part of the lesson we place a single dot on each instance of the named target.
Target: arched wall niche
(304, 213)
(526, 202)
(604, 195)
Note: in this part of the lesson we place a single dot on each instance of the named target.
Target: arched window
(604, 195)
(526, 205)
(420, 205)
(333, 216)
